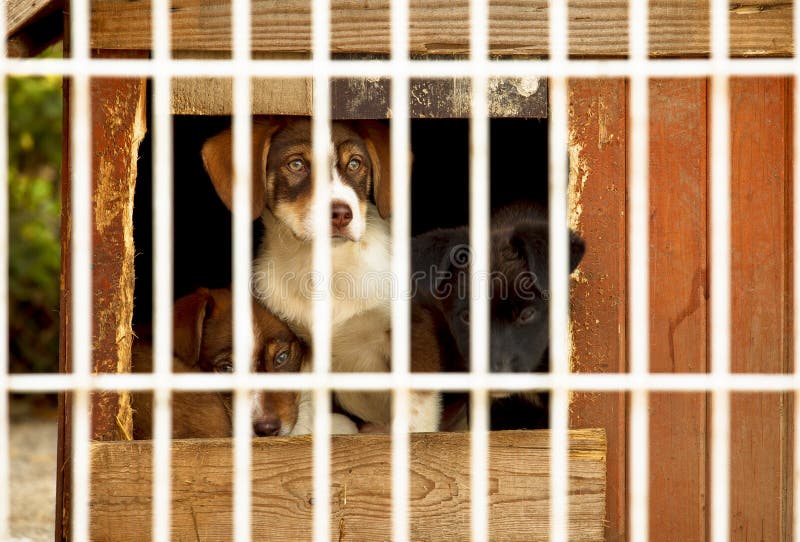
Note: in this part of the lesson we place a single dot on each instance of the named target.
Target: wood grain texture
(20, 13)
(761, 150)
(118, 126)
(597, 195)
(678, 305)
(360, 487)
(362, 98)
(438, 27)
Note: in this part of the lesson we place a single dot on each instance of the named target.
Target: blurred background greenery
(34, 197)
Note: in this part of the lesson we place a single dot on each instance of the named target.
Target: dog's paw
(342, 425)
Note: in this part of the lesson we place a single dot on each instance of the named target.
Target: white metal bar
(559, 273)
(720, 272)
(5, 436)
(162, 268)
(81, 245)
(638, 271)
(599, 382)
(479, 267)
(242, 254)
(796, 271)
(587, 68)
(401, 233)
(321, 136)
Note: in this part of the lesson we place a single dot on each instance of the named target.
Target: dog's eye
(354, 164)
(281, 358)
(464, 316)
(526, 315)
(297, 165)
(225, 367)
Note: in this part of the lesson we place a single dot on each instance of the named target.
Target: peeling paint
(578, 174)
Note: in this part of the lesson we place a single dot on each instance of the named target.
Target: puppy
(203, 340)
(358, 167)
(519, 290)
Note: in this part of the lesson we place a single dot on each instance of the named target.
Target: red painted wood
(678, 305)
(598, 110)
(760, 304)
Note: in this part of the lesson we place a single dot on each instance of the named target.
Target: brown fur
(203, 340)
(361, 317)
(218, 159)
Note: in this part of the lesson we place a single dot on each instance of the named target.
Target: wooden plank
(678, 305)
(761, 149)
(597, 195)
(20, 13)
(362, 98)
(118, 126)
(440, 27)
(63, 454)
(121, 503)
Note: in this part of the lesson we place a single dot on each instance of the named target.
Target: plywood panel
(441, 27)
(760, 310)
(678, 305)
(597, 194)
(360, 487)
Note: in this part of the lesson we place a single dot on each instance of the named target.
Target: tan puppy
(362, 284)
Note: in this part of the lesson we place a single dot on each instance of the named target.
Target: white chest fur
(361, 281)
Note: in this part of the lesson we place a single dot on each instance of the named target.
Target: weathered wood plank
(597, 139)
(678, 305)
(118, 126)
(360, 487)
(761, 150)
(20, 13)
(362, 98)
(439, 27)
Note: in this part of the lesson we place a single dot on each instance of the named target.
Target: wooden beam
(362, 98)
(761, 231)
(440, 27)
(118, 126)
(678, 305)
(121, 504)
(21, 13)
(597, 205)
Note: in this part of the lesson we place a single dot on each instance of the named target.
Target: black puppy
(519, 289)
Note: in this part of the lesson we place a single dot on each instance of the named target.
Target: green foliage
(34, 141)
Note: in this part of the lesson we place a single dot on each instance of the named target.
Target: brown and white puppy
(203, 340)
(361, 280)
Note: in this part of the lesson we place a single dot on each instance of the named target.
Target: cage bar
(401, 305)
(321, 135)
(638, 272)
(162, 205)
(242, 243)
(720, 272)
(559, 287)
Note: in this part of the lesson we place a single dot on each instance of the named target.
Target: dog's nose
(268, 427)
(341, 214)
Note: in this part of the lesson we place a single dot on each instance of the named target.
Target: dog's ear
(217, 156)
(376, 137)
(577, 248)
(189, 315)
(532, 243)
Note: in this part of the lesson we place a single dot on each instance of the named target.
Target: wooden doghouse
(679, 129)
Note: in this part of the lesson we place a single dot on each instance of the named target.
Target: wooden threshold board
(282, 490)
